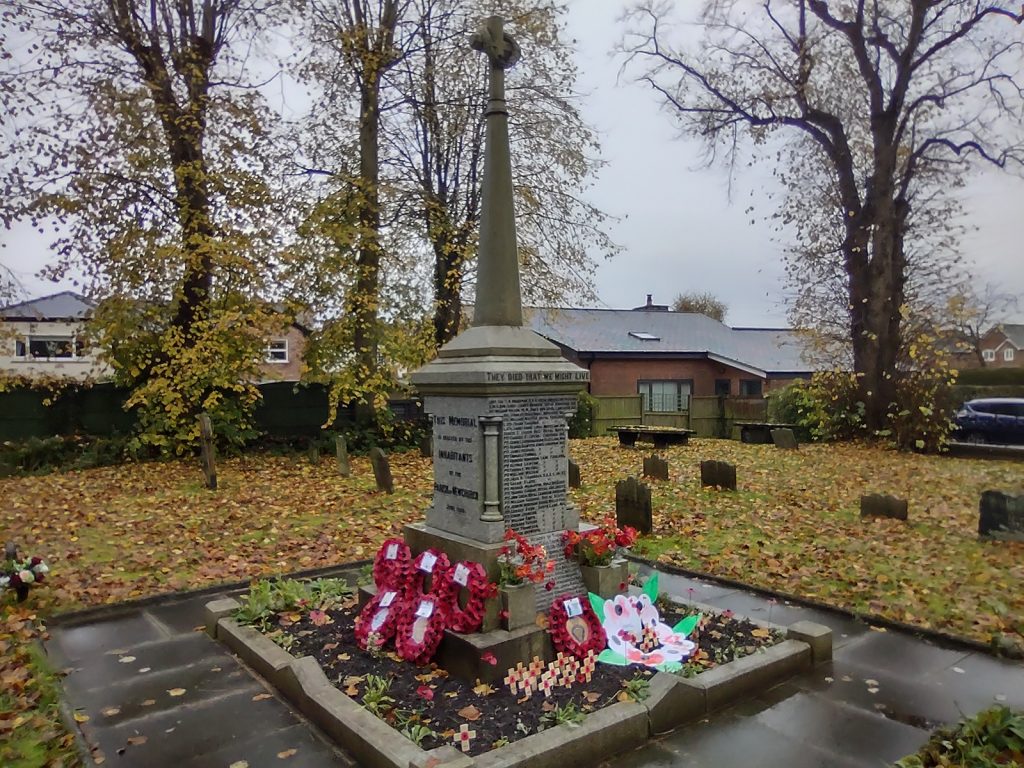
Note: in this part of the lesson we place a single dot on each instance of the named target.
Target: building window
(48, 348)
(723, 387)
(988, 355)
(1008, 354)
(665, 396)
(751, 387)
(277, 351)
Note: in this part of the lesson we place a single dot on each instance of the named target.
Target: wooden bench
(660, 436)
(759, 432)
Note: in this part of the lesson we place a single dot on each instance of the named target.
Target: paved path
(873, 704)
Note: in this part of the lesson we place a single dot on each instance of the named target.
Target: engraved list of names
(534, 462)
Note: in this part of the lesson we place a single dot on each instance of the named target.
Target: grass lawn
(116, 533)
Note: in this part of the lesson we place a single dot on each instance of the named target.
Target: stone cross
(498, 299)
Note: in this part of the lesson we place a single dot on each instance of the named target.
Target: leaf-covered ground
(116, 533)
(794, 525)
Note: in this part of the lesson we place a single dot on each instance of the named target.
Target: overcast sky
(678, 229)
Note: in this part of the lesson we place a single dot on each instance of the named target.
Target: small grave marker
(1001, 516)
(427, 446)
(718, 474)
(341, 451)
(208, 451)
(574, 474)
(785, 438)
(382, 470)
(633, 505)
(882, 505)
(655, 467)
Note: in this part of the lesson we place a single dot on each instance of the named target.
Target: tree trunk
(193, 205)
(363, 300)
(449, 260)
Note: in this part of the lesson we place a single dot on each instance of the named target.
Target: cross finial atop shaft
(503, 52)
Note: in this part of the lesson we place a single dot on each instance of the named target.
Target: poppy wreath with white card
(473, 578)
(380, 617)
(574, 627)
(434, 563)
(392, 565)
(421, 626)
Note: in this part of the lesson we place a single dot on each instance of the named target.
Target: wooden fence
(707, 416)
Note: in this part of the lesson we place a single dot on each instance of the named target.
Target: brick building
(1003, 346)
(669, 356)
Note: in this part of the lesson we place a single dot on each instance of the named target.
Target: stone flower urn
(606, 581)
(518, 605)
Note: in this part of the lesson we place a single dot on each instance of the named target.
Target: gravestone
(208, 451)
(498, 394)
(381, 470)
(718, 474)
(655, 467)
(574, 474)
(313, 452)
(882, 505)
(633, 505)
(427, 446)
(784, 438)
(10, 551)
(1001, 516)
(341, 452)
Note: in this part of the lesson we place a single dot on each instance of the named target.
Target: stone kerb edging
(672, 701)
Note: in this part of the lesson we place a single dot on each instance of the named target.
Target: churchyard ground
(118, 533)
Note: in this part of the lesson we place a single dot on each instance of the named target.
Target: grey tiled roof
(66, 305)
(1015, 333)
(771, 350)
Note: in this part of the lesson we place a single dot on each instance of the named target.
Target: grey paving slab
(984, 679)
(736, 742)
(74, 643)
(262, 750)
(834, 726)
(689, 589)
(892, 650)
(179, 616)
(105, 669)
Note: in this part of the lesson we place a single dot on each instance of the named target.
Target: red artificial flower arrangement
(421, 626)
(392, 565)
(600, 545)
(379, 618)
(574, 627)
(480, 589)
(434, 563)
(520, 561)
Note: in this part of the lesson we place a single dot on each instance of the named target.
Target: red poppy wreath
(433, 563)
(575, 628)
(380, 617)
(392, 566)
(420, 628)
(473, 577)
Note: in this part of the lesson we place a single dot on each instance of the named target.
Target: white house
(44, 337)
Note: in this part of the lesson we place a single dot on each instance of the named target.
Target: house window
(1008, 354)
(988, 355)
(47, 347)
(665, 396)
(722, 387)
(277, 351)
(751, 388)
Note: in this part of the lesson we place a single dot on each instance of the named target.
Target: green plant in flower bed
(566, 714)
(268, 598)
(992, 738)
(637, 689)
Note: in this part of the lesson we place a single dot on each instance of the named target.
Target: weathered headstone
(574, 474)
(10, 551)
(784, 438)
(208, 451)
(427, 446)
(718, 474)
(1001, 516)
(882, 505)
(655, 467)
(313, 452)
(633, 505)
(341, 451)
(382, 470)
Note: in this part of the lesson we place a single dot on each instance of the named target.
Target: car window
(980, 407)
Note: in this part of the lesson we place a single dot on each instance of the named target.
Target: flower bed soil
(427, 696)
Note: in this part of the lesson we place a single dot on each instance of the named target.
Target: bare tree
(890, 99)
(703, 302)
